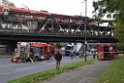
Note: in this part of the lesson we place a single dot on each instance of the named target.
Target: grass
(120, 54)
(115, 72)
(37, 77)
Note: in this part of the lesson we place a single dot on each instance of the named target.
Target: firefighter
(58, 58)
(23, 57)
(112, 54)
(93, 53)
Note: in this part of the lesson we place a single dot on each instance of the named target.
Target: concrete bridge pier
(11, 45)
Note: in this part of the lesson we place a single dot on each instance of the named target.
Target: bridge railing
(66, 33)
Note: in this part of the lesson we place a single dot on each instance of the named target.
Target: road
(10, 71)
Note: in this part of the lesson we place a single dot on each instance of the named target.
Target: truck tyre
(36, 58)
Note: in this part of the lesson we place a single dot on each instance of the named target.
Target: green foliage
(119, 34)
(111, 7)
(120, 46)
(115, 73)
(37, 77)
(8, 3)
(115, 9)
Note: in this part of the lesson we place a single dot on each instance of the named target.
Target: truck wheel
(36, 58)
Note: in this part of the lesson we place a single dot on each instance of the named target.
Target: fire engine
(40, 51)
(106, 52)
(32, 50)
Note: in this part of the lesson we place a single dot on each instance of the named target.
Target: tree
(109, 7)
(119, 34)
(113, 9)
(8, 3)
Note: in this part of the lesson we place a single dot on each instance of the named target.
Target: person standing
(93, 53)
(58, 58)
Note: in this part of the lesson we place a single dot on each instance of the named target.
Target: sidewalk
(86, 74)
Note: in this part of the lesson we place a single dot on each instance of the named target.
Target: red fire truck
(40, 51)
(106, 52)
(35, 51)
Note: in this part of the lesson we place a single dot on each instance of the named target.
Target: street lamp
(85, 33)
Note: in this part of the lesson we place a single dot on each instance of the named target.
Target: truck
(105, 52)
(72, 49)
(40, 51)
(32, 50)
(68, 49)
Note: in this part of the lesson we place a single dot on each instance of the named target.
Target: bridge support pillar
(11, 45)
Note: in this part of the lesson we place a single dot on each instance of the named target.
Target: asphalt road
(10, 71)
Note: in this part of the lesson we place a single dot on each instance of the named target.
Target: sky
(67, 7)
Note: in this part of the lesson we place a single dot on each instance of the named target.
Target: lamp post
(85, 31)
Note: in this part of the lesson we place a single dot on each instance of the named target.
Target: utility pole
(85, 32)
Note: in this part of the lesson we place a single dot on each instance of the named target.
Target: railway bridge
(17, 24)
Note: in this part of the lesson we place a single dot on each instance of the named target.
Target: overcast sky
(68, 7)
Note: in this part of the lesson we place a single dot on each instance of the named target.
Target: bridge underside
(56, 38)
